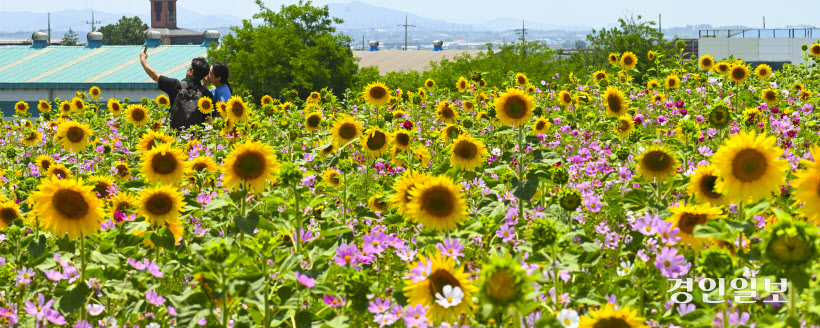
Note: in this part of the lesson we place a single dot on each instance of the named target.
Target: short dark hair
(221, 71)
(200, 68)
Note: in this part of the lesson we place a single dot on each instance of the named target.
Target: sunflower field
(690, 200)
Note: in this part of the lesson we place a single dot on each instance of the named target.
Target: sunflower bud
(559, 175)
(716, 262)
(603, 83)
(46, 116)
(124, 100)
(570, 200)
(388, 117)
(543, 233)
(467, 123)
(538, 111)
(217, 251)
(622, 153)
(680, 44)
(345, 165)
(503, 284)
(719, 116)
(11, 152)
(634, 136)
(144, 101)
(791, 244)
(290, 174)
(804, 47)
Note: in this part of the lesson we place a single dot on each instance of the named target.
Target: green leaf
(635, 200)
(74, 298)
(524, 190)
(163, 238)
(545, 157)
(217, 203)
(37, 247)
(247, 224)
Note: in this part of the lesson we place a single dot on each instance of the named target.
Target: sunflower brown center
(515, 107)
(199, 166)
(770, 95)
(122, 170)
(738, 73)
(347, 131)
(378, 93)
(707, 62)
(66, 108)
(75, 134)
(623, 125)
(8, 214)
(613, 101)
(403, 139)
(566, 98)
(249, 165)
(45, 164)
(101, 188)
(122, 206)
(115, 107)
(657, 161)
(238, 109)
(466, 150)
(313, 121)
(137, 115)
(377, 140)
(749, 165)
(613, 322)
(628, 60)
(522, 80)
(70, 204)
(164, 163)
(500, 286)
(689, 221)
(159, 204)
(429, 84)
(790, 249)
(441, 278)
(540, 125)
(438, 201)
(63, 174)
(21, 107)
(447, 112)
(707, 187)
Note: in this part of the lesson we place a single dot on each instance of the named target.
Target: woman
(218, 76)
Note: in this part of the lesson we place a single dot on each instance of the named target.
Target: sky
(596, 13)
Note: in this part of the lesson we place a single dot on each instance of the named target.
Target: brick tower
(163, 13)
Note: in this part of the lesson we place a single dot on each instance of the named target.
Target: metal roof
(108, 67)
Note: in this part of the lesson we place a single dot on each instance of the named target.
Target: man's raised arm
(148, 69)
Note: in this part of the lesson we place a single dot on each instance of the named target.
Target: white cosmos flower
(452, 296)
(625, 269)
(568, 318)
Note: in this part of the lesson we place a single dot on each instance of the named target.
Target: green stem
(266, 316)
(225, 315)
(792, 304)
(726, 316)
(521, 168)
(82, 269)
(298, 219)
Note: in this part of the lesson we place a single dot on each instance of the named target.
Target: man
(183, 113)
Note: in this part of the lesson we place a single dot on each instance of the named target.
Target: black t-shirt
(172, 86)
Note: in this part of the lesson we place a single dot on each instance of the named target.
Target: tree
(296, 48)
(127, 31)
(70, 38)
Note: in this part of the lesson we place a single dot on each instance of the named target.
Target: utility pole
(362, 42)
(523, 32)
(92, 22)
(764, 22)
(660, 30)
(405, 31)
(49, 28)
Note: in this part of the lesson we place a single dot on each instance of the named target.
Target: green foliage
(295, 48)
(71, 38)
(127, 31)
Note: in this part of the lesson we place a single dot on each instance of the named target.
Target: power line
(405, 31)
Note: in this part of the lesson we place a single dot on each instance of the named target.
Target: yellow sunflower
(402, 139)
(763, 71)
(58, 171)
(203, 164)
(377, 203)
(652, 84)
(422, 155)
(67, 207)
(723, 68)
(629, 60)
(237, 110)
(122, 171)
(123, 201)
(44, 162)
(599, 75)
(541, 126)
(445, 112)
(164, 163)
(21, 107)
(769, 96)
(402, 187)
(345, 129)
(564, 98)
(739, 73)
(313, 121)
(672, 82)
(163, 101)
(429, 84)
(31, 138)
(73, 136)
(205, 105)
(77, 105)
(608, 317)
(266, 100)
(656, 162)
(749, 167)
(613, 59)
(94, 92)
(467, 152)
(468, 105)
(702, 186)
(114, 106)
(137, 115)
(44, 106)
(376, 142)
(658, 99)
(314, 96)
(101, 185)
(814, 50)
(651, 55)
(514, 107)
(151, 139)
(439, 271)
(332, 177)
(437, 203)
(616, 104)
(377, 94)
(521, 80)
(160, 204)
(250, 164)
(9, 211)
(65, 108)
(807, 187)
(624, 125)
(706, 62)
(462, 84)
(329, 149)
(688, 217)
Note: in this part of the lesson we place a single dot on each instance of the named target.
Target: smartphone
(146, 49)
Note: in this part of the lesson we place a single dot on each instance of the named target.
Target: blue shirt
(222, 93)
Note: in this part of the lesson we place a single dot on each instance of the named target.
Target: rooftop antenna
(764, 22)
(405, 30)
(92, 22)
(49, 27)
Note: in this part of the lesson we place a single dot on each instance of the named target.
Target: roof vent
(152, 38)
(39, 40)
(94, 39)
(374, 45)
(437, 45)
(210, 36)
